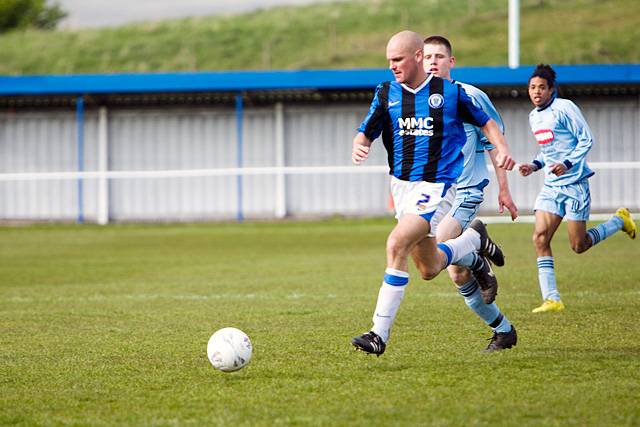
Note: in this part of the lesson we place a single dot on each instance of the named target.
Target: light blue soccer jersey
(475, 170)
(563, 136)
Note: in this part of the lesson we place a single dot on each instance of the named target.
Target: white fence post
(281, 191)
(103, 167)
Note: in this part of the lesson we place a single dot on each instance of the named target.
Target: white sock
(389, 298)
(466, 243)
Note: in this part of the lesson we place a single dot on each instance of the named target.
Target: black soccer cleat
(502, 341)
(486, 279)
(488, 247)
(369, 343)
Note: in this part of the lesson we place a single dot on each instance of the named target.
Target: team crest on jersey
(436, 100)
(544, 136)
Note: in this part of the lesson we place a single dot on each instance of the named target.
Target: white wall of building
(304, 135)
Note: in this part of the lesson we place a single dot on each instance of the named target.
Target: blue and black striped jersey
(422, 129)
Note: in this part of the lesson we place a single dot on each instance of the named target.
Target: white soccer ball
(229, 349)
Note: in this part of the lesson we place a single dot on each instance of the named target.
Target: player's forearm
(361, 139)
(503, 157)
(501, 174)
(538, 161)
(579, 153)
(492, 132)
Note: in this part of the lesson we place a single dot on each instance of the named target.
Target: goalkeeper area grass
(109, 325)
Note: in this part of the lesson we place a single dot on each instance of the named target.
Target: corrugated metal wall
(44, 142)
(322, 137)
(171, 139)
(314, 135)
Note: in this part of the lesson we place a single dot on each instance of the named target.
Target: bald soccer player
(420, 117)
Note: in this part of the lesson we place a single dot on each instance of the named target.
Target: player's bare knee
(428, 272)
(540, 240)
(459, 275)
(580, 246)
(392, 248)
(395, 248)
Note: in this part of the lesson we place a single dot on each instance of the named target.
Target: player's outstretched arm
(493, 134)
(504, 194)
(360, 151)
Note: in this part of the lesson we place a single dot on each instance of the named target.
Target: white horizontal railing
(246, 171)
(104, 176)
(187, 173)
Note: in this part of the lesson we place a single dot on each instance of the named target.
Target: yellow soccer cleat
(549, 305)
(628, 225)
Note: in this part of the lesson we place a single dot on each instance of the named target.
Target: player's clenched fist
(526, 169)
(505, 161)
(359, 153)
(558, 169)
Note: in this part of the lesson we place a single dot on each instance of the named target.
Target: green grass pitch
(108, 326)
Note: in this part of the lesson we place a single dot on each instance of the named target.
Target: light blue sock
(604, 230)
(468, 260)
(490, 313)
(547, 278)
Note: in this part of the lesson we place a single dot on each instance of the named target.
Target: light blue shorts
(467, 204)
(571, 201)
